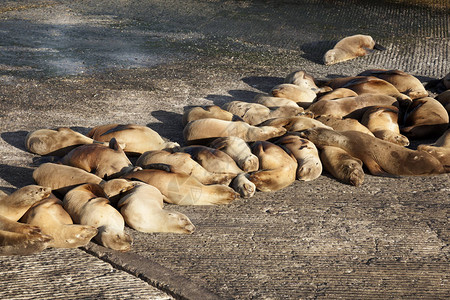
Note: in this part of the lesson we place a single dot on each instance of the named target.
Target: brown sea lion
(242, 184)
(349, 48)
(298, 123)
(21, 239)
(205, 112)
(309, 166)
(212, 159)
(382, 121)
(239, 151)
(136, 138)
(142, 209)
(338, 94)
(302, 96)
(340, 124)
(15, 205)
(277, 167)
(53, 220)
(56, 142)
(425, 118)
(444, 99)
(87, 204)
(271, 101)
(403, 82)
(440, 149)
(342, 165)
(116, 188)
(205, 130)
(182, 189)
(105, 162)
(62, 178)
(380, 157)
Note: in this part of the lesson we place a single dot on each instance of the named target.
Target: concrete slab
(88, 63)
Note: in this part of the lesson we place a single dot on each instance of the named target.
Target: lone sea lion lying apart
(271, 101)
(440, 149)
(205, 130)
(21, 239)
(302, 96)
(87, 204)
(205, 112)
(15, 205)
(57, 142)
(340, 124)
(239, 151)
(425, 118)
(380, 157)
(183, 189)
(142, 209)
(403, 82)
(50, 216)
(277, 167)
(254, 113)
(136, 138)
(342, 165)
(309, 166)
(105, 162)
(351, 47)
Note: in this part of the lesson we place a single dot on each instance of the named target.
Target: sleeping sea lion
(342, 165)
(15, 205)
(440, 149)
(340, 124)
(271, 101)
(298, 123)
(204, 112)
(302, 96)
(239, 151)
(338, 94)
(444, 99)
(116, 188)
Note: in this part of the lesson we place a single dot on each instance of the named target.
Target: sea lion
(340, 124)
(382, 121)
(255, 113)
(305, 81)
(182, 189)
(342, 165)
(380, 157)
(425, 118)
(116, 188)
(142, 209)
(21, 239)
(212, 159)
(105, 162)
(204, 112)
(62, 178)
(350, 107)
(271, 101)
(403, 82)
(239, 151)
(298, 123)
(204, 130)
(444, 99)
(136, 138)
(277, 167)
(338, 94)
(180, 162)
(308, 160)
(302, 96)
(440, 149)
(50, 216)
(349, 48)
(87, 204)
(56, 142)
(15, 205)
(242, 184)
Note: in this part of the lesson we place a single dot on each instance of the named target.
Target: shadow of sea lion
(171, 126)
(235, 95)
(263, 83)
(17, 176)
(16, 139)
(316, 50)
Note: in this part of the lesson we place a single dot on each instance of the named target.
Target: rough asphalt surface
(85, 63)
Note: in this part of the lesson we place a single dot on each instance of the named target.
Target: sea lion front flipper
(376, 170)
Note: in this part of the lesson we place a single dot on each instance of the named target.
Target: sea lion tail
(379, 47)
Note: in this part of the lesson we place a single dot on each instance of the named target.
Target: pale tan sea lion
(349, 48)
(50, 216)
(382, 121)
(15, 205)
(338, 94)
(403, 82)
(444, 99)
(277, 167)
(255, 113)
(242, 184)
(183, 189)
(425, 118)
(342, 165)
(298, 123)
(142, 209)
(204, 130)
(305, 81)
(340, 124)
(305, 152)
(21, 239)
(136, 138)
(56, 142)
(213, 160)
(180, 162)
(87, 204)
(205, 112)
(116, 188)
(271, 101)
(302, 96)
(105, 162)
(440, 149)
(62, 178)
(239, 151)
(353, 107)
(380, 157)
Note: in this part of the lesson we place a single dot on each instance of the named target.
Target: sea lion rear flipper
(160, 166)
(379, 47)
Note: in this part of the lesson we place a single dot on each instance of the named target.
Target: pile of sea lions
(344, 125)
